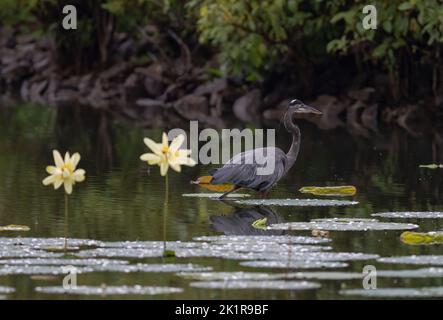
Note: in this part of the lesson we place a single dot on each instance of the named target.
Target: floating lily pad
(44, 277)
(120, 252)
(14, 227)
(63, 262)
(422, 238)
(229, 276)
(329, 275)
(109, 290)
(396, 292)
(37, 243)
(174, 245)
(262, 239)
(415, 273)
(415, 260)
(267, 247)
(343, 224)
(340, 191)
(319, 256)
(431, 166)
(32, 247)
(61, 249)
(294, 264)
(244, 284)
(246, 251)
(143, 267)
(14, 252)
(219, 246)
(6, 290)
(260, 224)
(410, 215)
(297, 202)
(31, 270)
(215, 195)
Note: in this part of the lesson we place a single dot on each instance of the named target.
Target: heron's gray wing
(247, 169)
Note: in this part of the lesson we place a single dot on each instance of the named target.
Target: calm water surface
(121, 200)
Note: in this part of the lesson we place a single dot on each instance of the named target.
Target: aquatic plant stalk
(165, 213)
(66, 221)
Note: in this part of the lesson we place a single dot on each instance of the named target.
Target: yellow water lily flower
(64, 172)
(165, 155)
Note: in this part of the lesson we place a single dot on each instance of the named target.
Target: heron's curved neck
(296, 137)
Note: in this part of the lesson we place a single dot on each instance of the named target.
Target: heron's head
(296, 106)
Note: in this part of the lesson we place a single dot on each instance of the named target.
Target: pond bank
(163, 92)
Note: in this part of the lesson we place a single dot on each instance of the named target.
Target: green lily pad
(61, 249)
(61, 262)
(431, 166)
(14, 227)
(121, 253)
(294, 264)
(260, 224)
(415, 260)
(6, 290)
(246, 284)
(334, 275)
(215, 195)
(410, 215)
(154, 268)
(343, 224)
(426, 292)
(109, 290)
(422, 238)
(340, 191)
(233, 276)
(47, 270)
(415, 273)
(264, 239)
(297, 202)
(44, 277)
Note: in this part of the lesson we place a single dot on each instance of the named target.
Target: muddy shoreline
(160, 93)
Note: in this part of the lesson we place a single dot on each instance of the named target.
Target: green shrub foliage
(253, 38)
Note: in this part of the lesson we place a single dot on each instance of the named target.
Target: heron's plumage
(243, 169)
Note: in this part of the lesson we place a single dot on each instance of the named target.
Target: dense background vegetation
(311, 42)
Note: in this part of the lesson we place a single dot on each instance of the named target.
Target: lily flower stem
(165, 212)
(66, 221)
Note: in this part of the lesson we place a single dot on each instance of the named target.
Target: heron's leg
(234, 188)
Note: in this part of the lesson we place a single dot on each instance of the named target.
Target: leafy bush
(256, 37)
(253, 36)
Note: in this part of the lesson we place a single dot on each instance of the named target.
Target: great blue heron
(244, 169)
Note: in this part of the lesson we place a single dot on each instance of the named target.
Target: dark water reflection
(240, 221)
(122, 200)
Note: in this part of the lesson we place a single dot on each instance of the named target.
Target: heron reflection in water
(241, 220)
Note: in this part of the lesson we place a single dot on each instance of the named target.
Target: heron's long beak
(312, 110)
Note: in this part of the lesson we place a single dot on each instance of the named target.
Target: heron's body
(242, 169)
(246, 169)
